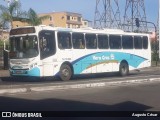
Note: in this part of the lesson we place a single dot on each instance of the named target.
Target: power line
(134, 9)
(105, 15)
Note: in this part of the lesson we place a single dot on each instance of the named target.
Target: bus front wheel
(124, 69)
(65, 72)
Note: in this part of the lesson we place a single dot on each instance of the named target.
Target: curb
(75, 86)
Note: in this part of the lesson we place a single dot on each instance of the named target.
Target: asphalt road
(138, 96)
(129, 97)
(29, 84)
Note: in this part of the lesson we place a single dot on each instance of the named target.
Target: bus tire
(65, 72)
(123, 69)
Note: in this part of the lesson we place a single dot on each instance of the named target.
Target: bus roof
(86, 30)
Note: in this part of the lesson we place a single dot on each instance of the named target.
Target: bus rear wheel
(65, 72)
(124, 69)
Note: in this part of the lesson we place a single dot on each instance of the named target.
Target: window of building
(102, 41)
(91, 41)
(85, 23)
(115, 41)
(68, 25)
(79, 19)
(127, 42)
(137, 42)
(64, 40)
(73, 26)
(68, 17)
(78, 40)
(50, 18)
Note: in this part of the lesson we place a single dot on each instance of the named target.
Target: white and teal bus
(64, 52)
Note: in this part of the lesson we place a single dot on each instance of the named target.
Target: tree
(11, 13)
(34, 19)
(155, 53)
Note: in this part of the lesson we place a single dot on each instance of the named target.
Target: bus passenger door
(47, 51)
(47, 65)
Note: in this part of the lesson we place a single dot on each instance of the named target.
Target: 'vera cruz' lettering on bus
(96, 58)
(103, 57)
(112, 57)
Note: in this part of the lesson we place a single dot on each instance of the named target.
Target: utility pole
(105, 15)
(134, 9)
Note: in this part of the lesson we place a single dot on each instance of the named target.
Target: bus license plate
(19, 72)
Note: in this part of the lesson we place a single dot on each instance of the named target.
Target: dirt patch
(4, 73)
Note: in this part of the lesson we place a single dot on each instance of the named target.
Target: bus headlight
(33, 65)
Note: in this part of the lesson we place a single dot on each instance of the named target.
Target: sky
(84, 7)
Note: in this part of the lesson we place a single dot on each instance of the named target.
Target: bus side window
(47, 43)
(127, 42)
(78, 40)
(115, 41)
(60, 42)
(102, 41)
(145, 42)
(64, 40)
(137, 42)
(91, 41)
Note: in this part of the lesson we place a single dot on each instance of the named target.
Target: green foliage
(34, 19)
(155, 49)
(8, 14)
(13, 13)
(1, 42)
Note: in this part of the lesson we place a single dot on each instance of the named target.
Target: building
(64, 19)
(86, 23)
(19, 24)
(60, 19)
(56, 19)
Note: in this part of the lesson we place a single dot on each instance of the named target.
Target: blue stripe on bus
(100, 57)
(34, 72)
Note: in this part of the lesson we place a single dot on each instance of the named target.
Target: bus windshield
(23, 47)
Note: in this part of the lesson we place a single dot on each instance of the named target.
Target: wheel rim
(124, 69)
(65, 72)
